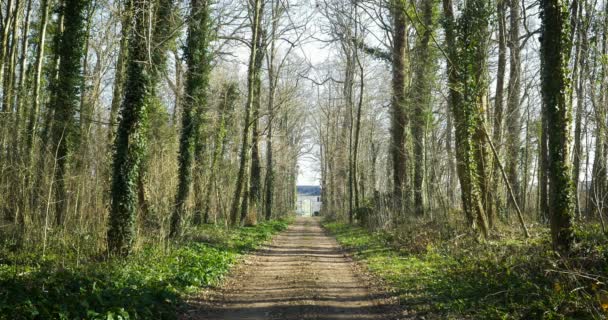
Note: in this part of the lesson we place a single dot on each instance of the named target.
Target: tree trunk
(272, 83)
(252, 78)
(64, 96)
(130, 142)
(422, 84)
(598, 188)
(499, 106)
(513, 110)
(33, 114)
(555, 53)
(468, 115)
(195, 104)
(121, 66)
(398, 113)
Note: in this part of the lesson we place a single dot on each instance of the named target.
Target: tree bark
(422, 84)
(399, 118)
(499, 105)
(555, 54)
(195, 104)
(252, 75)
(64, 96)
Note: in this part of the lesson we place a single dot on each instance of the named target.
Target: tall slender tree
(501, 7)
(65, 96)
(469, 115)
(422, 85)
(555, 54)
(121, 66)
(198, 59)
(399, 118)
(143, 72)
(255, 179)
(513, 110)
(253, 75)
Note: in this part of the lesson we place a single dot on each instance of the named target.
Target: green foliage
(147, 285)
(198, 58)
(556, 87)
(65, 94)
(506, 279)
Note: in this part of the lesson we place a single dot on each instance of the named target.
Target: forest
(152, 153)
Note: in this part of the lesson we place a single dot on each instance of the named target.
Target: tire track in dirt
(302, 274)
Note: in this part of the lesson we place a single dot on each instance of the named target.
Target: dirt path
(302, 274)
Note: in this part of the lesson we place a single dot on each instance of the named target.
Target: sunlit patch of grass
(147, 285)
(508, 278)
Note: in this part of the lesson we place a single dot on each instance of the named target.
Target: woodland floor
(302, 274)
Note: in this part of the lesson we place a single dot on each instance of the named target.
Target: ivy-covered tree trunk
(65, 97)
(198, 59)
(469, 115)
(130, 143)
(422, 84)
(143, 73)
(399, 117)
(121, 66)
(555, 54)
(455, 98)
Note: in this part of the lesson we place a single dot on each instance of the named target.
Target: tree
(255, 179)
(513, 112)
(399, 118)
(599, 183)
(65, 96)
(272, 86)
(202, 204)
(195, 100)
(33, 114)
(499, 101)
(130, 142)
(253, 76)
(469, 110)
(121, 64)
(555, 54)
(421, 92)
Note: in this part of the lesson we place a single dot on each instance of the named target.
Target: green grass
(150, 284)
(500, 279)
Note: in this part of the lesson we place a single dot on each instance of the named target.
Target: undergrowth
(457, 277)
(149, 284)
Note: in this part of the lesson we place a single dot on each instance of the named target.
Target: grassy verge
(500, 279)
(147, 285)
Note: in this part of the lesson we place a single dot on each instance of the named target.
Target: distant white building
(308, 201)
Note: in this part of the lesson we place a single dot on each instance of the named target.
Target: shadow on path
(302, 274)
